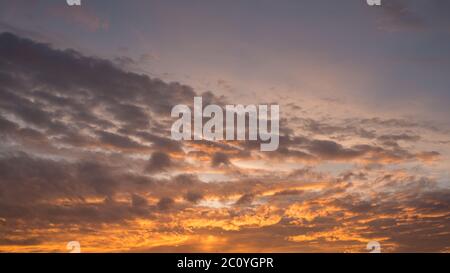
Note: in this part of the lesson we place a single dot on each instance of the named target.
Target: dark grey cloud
(193, 197)
(160, 143)
(138, 201)
(399, 137)
(159, 162)
(63, 92)
(322, 128)
(25, 109)
(132, 115)
(28, 179)
(121, 142)
(245, 199)
(310, 149)
(165, 203)
(332, 150)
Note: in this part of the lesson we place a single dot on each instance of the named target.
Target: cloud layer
(86, 155)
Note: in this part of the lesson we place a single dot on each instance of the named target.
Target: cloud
(86, 150)
(165, 203)
(245, 199)
(138, 201)
(220, 159)
(402, 137)
(194, 197)
(159, 162)
(118, 141)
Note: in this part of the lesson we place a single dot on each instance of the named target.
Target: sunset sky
(86, 152)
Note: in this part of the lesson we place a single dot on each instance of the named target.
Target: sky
(86, 155)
